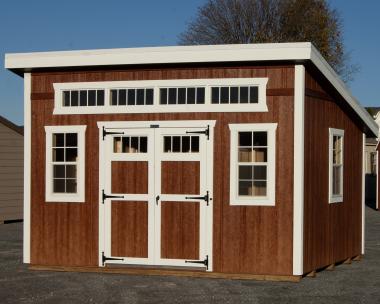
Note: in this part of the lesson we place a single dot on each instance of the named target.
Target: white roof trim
(190, 54)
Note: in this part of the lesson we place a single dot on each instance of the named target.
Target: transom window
(181, 144)
(131, 97)
(130, 144)
(252, 164)
(65, 163)
(336, 165)
(82, 98)
(228, 95)
(162, 96)
(182, 96)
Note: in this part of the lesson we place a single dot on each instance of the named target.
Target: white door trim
(104, 246)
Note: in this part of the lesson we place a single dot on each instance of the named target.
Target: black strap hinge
(105, 196)
(204, 262)
(105, 133)
(205, 198)
(105, 259)
(205, 132)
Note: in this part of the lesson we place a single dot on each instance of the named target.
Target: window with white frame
(162, 96)
(252, 164)
(65, 150)
(336, 165)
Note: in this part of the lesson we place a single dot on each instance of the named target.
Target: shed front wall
(332, 232)
(246, 239)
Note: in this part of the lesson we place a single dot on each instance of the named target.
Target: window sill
(251, 202)
(64, 199)
(336, 199)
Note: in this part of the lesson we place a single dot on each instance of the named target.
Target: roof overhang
(295, 52)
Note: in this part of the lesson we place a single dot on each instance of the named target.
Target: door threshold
(154, 267)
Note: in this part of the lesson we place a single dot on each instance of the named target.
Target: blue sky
(42, 25)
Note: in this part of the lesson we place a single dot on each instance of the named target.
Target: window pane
(245, 139)
(125, 145)
(253, 95)
(71, 171)
(58, 154)
(140, 96)
(92, 98)
(117, 144)
(224, 95)
(337, 149)
(163, 96)
(172, 96)
(134, 145)
(100, 97)
(74, 98)
(200, 95)
(59, 171)
(122, 97)
(191, 95)
(71, 154)
(185, 144)
(58, 140)
(259, 188)
(260, 139)
(181, 95)
(336, 180)
(215, 95)
(66, 98)
(194, 143)
(245, 188)
(260, 172)
(234, 95)
(131, 97)
(167, 144)
(58, 185)
(71, 139)
(245, 154)
(83, 98)
(245, 172)
(149, 96)
(176, 144)
(71, 186)
(260, 155)
(113, 97)
(243, 94)
(143, 144)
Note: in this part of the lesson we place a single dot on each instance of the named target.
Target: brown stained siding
(246, 239)
(332, 232)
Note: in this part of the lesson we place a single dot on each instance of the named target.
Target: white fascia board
(160, 55)
(339, 85)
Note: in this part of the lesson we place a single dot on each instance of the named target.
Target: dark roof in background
(373, 110)
(11, 125)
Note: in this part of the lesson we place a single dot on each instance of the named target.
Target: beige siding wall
(11, 174)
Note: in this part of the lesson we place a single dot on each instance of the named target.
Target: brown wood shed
(231, 160)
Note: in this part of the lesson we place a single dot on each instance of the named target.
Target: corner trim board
(27, 166)
(363, 193)
(298, 177)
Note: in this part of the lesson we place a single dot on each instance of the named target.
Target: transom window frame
(335, 198)
(270, 198)
(260, 106)
(79, 196)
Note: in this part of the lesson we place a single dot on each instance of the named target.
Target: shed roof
(267, 52)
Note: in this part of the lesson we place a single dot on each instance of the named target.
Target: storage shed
(228, 160)
(11, 171)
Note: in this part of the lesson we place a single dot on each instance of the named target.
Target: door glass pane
(100, 97)
(185, 144)
(131, 97)
(224, 95)
(143, 144)
(191, 95)
(149, 96)
(134, 147)
(176, 144)
(215, 95)
(74, 98)
(243, 94)
(163, 96)
(194, 144)
(140, 97)
(113, 97)
(181, 95)
(200, 95)
(167, 144)
(83, 98)
(122, 97)
(234, 95)
(172, 96)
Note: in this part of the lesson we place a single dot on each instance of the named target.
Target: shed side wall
(11, 174)
(246, 239)
(332, 232)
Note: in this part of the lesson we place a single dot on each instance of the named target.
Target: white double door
(155, 190)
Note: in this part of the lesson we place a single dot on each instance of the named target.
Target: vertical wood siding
(332, 232)
(11, 174)
(247, 239)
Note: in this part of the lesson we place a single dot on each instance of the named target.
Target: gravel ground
(355, 283)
